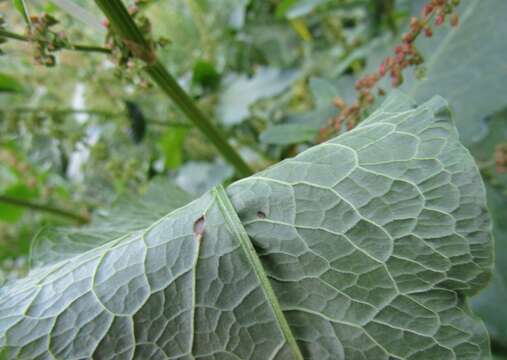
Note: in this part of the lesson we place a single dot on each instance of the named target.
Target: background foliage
(85, 135)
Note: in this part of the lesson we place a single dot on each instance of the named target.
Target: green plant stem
(83, 48)
(170, 86)
(104, 113)
(125, 27)
(44, 208)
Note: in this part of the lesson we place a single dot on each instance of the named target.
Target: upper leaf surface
(371, 243)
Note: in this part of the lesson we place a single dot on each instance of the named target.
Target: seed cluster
(405, 55)
(45, 40)
(130, 57)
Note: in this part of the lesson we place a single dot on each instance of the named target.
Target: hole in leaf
(261, 215)
(199, 228)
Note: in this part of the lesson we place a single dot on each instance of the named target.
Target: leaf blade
(370, 241)
(20, 5)
(232, 219)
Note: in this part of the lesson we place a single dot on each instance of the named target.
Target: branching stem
(83, 48)
(124, 26)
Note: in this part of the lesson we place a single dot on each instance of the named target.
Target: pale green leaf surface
(371, 243)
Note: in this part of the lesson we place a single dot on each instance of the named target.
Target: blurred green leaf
(467, 65)
(171, 146)
(285, 134)
(20, 5)
(9, 84)
(283, 7)
(279, 44)
(296, 8)
(486, 303)
(204, 74)
(197, 177)
(495, 133)
(305, 126)
(241, 92)
(11, 213)
(238, 14)
(323, 91)
(78, 12)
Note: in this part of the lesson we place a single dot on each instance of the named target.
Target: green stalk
(124, 26)
(104, 113)
(83, 48)
(44, 208)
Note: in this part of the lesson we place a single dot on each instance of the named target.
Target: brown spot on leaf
(199, 228)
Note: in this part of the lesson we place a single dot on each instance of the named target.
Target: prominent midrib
(232, 219)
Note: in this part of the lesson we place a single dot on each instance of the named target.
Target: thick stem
(44, 208)
(171, 87)
(82, 48)
(122, 23)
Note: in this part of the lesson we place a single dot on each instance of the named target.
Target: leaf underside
(371, 243)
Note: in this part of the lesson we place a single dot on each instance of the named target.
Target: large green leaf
(364, 247)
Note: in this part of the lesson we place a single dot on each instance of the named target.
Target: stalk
(75, 47)
(98, 112)
(124, 26)
(44, 208)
